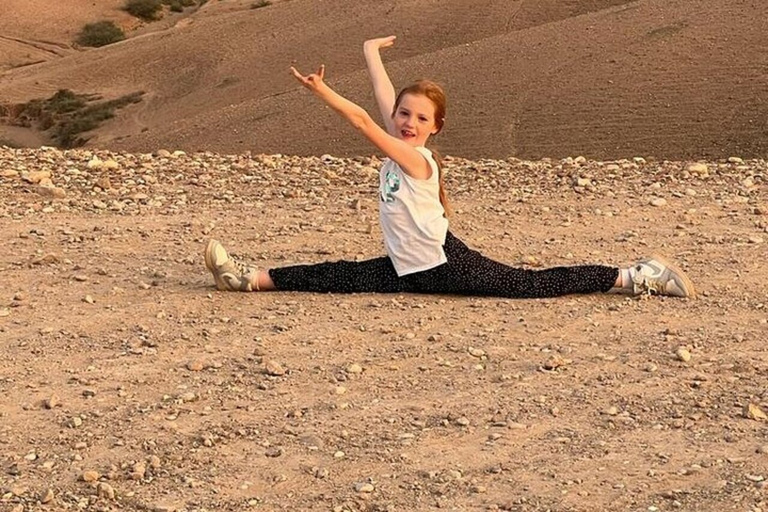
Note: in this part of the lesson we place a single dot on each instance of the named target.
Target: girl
(423, 256)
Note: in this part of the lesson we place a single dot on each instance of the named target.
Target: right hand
(379, 42)
(313, 81)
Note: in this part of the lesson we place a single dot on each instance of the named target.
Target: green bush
(67, 114)
(147, 10)
(100, 33)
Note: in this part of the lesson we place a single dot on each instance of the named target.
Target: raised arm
(382, 86)
(411, 161)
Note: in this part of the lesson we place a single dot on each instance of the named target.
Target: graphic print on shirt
(391, 185)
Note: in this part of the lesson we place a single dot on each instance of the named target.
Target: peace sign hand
(313, 81)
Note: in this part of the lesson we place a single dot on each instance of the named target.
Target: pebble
(698, 168)
(658, 201)
(90, 476)
(754, 412)
(354, 368)
(364, 487)
(274, 368)
(47, 497)
(51, 402)
(139, 471)
(195, 366)
(462, 422)
(104, 490)
(476, 352)
(683, 354)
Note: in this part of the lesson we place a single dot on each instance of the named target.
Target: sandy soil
(129, 383)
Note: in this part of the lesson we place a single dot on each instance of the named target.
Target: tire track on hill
(49, 47)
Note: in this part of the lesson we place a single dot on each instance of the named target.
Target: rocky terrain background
(129, 383)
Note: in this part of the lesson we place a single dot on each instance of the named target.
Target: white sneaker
(656, 276)
(230, 274)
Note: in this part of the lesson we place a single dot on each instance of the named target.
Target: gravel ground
(128, 383)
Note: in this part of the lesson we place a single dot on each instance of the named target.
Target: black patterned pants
(466, 272)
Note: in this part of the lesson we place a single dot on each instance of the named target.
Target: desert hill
(605, 79)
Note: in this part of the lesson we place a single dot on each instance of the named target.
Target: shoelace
(646, 284)
(245, 271)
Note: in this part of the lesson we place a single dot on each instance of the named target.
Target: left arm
(411, 161)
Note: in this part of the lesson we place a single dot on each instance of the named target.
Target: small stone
(89, 299)
(612, 411)
(658, 201)
(364, 487)
(90, 476)
(735, 160)
(139, 471)
(698, 168)
(36, 176)
(754, 412)
(95, 163)
(104, 183)
(75, 422)
(582, 182)
(51, 402)
(104, 490)
(273, 452)
(683, 354)
(154, 462)
(763, 449)
(47, 496)
(476, 352)
(354, 368)
(274, 368)
(554, 362)
(462, 422)
(195, 366)
(755, 239)
(478, 489)
(51, 192)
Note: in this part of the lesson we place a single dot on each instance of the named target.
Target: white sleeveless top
(412, 218)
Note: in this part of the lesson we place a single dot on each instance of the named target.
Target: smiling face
(414, 119)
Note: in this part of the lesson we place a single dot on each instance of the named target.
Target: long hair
(436, 95)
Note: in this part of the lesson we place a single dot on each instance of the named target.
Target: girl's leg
(376, 275)
(468, 272)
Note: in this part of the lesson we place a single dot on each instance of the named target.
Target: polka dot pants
(466, 272)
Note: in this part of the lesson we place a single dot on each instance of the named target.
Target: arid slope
(604, 79)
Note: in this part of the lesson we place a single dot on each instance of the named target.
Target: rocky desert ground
(129, 383)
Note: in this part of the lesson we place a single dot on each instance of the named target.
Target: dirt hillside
(604, 79)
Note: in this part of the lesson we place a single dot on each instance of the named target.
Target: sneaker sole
(220, 285)
(683, 276)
